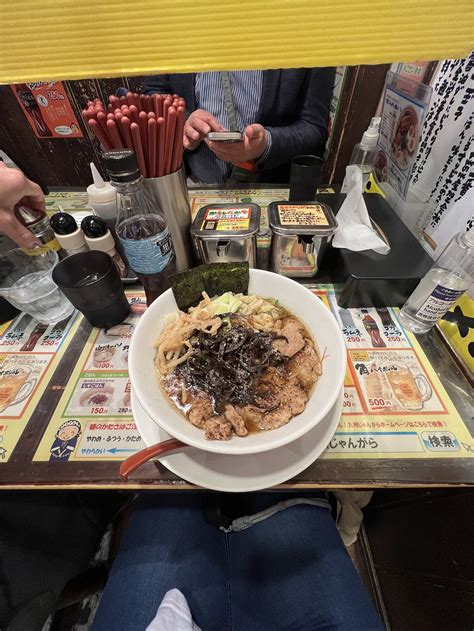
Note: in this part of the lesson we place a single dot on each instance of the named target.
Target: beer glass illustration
(16, 384)
(410, 391)
(374, 383)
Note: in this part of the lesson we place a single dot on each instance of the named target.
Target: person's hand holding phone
(254, 143)
(196, 128)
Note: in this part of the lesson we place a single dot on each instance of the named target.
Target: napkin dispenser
(368, 279)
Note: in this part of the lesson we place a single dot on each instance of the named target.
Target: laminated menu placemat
(93, 419)
(394, 404)
(29, 355)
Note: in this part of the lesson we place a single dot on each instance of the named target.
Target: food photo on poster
(401, 124)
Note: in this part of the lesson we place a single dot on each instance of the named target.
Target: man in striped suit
(283, 113)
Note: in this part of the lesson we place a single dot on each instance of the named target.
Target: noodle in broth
(237, 364)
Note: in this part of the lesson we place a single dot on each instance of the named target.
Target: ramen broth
(253, 373)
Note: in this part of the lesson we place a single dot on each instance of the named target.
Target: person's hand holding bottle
(16, 188)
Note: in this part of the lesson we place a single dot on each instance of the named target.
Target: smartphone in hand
(225, 136)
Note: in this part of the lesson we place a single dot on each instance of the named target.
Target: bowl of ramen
(239, 373)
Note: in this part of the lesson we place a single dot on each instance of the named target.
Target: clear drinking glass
(25, 281)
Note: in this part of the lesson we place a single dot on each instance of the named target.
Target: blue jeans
(289, 572)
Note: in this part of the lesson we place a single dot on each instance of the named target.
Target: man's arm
(308, 134)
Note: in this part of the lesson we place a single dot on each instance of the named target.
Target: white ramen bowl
(318, 320)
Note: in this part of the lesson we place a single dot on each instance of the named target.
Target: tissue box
(370, 279)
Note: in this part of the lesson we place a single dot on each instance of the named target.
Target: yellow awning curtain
(44, 40)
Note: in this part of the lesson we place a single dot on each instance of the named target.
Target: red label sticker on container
(225, 219)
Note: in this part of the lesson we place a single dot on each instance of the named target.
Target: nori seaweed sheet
(187, 288)
(213, 278)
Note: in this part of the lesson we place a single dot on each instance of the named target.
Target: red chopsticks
(152, 126)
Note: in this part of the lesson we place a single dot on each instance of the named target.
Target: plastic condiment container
(300, 234)
(99, 237)
(102, 198)
(68, 233)
(227, 233)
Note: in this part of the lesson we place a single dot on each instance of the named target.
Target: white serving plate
(221, 472)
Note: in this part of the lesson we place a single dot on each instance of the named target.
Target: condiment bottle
(37, 222)
(443, 285)
(99, 237)
(372, 329)
(67, 232)
(141, 226)
(103, 198)
(365, 151)
(103, 201)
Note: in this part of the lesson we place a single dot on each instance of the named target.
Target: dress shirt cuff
(268, 148)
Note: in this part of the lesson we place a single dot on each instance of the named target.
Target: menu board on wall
(47, 109)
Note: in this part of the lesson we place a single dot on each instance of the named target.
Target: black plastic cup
(90, 281)
(305, 177)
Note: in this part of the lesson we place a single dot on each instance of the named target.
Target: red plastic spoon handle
(132, 463)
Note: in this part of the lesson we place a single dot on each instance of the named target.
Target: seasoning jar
(227, 233)
(99, 237)
(68, 234)
(300, 234)
(38, 222)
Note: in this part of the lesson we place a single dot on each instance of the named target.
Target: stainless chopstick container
(300, 234)
(172, 194)
(227, 233)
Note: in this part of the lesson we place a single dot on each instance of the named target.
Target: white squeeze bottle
(103, 198)
(450, 276)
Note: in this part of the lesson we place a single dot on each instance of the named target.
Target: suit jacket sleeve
(158, 84)
(308, 134)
